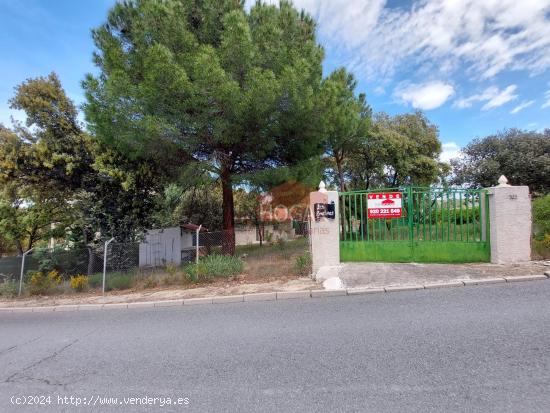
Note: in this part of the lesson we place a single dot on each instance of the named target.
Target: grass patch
(8, 289)
(113, 280)
(214, 266)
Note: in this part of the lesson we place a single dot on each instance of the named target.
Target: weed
(41, 283)
(150, 282)
(303, 264)
(79, 283)
(8, 289)
(119, 281)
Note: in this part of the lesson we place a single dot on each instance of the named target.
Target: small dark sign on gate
(324, 211)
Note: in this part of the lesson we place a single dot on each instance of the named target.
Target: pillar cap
(503, 181)
(322, 187)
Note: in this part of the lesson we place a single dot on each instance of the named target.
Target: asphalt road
(459, 349)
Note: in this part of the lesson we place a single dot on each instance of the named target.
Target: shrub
(41, 283)
(541, 216)
(95, 280)
(222, 265)
(542, 246)
(79, 283)
(214, 266)
(8, 289)
(150, 282)
(303, 264)
(119, 281)
(194, 272)
(171, 269)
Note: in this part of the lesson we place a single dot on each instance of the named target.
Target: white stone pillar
(325, 238)
(510, 223)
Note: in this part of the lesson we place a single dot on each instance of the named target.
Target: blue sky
(474, 67)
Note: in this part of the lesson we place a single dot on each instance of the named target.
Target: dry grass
(276, 260)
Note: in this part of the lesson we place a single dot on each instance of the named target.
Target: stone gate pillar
(509, 222)
(325, 238)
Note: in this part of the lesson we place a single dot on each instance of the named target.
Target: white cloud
(547, 97)
(450, 150)
(492, 96)
(521, 106)
(425, 96)
(437, 36)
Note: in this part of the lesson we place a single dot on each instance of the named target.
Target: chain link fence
(279, 252)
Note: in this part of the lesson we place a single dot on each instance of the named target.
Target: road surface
(464, 349)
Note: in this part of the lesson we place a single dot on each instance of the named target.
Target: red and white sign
(385, 205)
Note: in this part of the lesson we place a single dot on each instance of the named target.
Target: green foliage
(303, 264)
(401, 150)
(198, 204)
(119, 281)
(214, 266)
(522, 156)
(113, 281)
(95, 280)
(43, 283)
(217, 86)
(456, 216)
(345, 118)
(8, 289)
(541, 216)
(541, 246)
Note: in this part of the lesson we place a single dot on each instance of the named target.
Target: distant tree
(345, 119)
(522, 156)
(209, 83)
(400, 150)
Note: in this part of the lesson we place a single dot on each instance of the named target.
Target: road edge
(275, 296)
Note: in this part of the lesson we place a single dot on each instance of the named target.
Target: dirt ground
(218, 288)
(383, 275)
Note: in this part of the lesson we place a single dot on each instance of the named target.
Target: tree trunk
(228, 242)
(19, 247)
(339, 169)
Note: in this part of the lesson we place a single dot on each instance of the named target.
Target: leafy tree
(345, 118)
(207, 83)
(199, 204)
(522, 156)
(29, 214)
(53, 172)
(400, 150)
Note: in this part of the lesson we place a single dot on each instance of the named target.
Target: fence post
(325, 236)
(197, 244)
(23, 270)
(510, 223)
(105, 262)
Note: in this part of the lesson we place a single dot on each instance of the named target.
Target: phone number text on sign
(385, 205)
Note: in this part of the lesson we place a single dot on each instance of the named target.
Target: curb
(273, 296)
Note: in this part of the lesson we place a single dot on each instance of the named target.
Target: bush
(42, 283)
(119, 281)
(79, 283)
(214, 266)
(542, 246)
(222, 265)
(8, 289)
(303, 264)
(95, 280)
(150, 282)
(541, 216)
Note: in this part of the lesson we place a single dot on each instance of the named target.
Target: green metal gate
(437, 225)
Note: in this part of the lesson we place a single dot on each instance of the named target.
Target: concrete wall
(161, 247)
(510, 223)
(325, 236)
